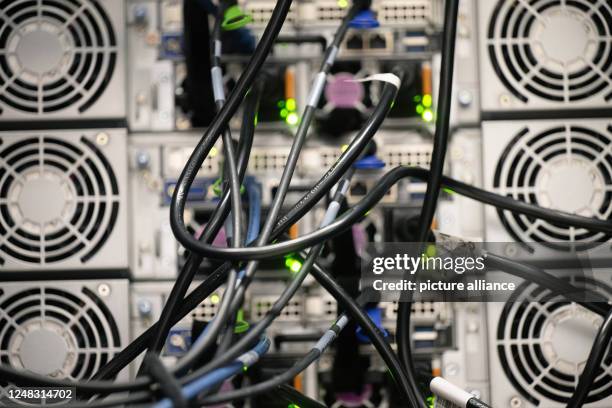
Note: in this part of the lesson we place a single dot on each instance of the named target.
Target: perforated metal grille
(54, 54)
(57, 200)
(534, 328)
(558, 50)
(566, 167)
(77, 328)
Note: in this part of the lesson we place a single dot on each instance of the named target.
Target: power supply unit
(539, 344)
(543, 54)
(62, 200)
(63, 329)
(62, 60)
(535, 162)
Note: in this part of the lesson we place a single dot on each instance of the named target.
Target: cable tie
(217, 83)
(248, 359)
(317, 89)
(324, 341)
(387, 77)
(167, 382)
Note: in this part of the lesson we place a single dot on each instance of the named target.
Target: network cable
(434, 181)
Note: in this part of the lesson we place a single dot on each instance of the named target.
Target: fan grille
(538, 168)
(558, 50)
(54, 54)
(531, 339)
(57, 200)
(80, 332)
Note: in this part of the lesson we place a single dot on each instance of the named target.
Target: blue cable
(254, 192)
(221, 374)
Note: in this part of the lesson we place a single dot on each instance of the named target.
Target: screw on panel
(516, 402)
(102, 139)
(511, 250)
(104, 290)
(504, 100)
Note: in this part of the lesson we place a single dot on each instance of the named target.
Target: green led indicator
(427, 100)
(214, 298)
(293, 264)
(291, 105)
(420, 109)
(428, 115)
(284, 113)
(280, 104)
(293, 119)
(417, 98)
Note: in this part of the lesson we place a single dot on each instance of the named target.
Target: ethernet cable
(313, 355)
(206, 382)
(434, 181)
(288, 292)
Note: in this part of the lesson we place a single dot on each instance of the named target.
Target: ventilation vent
(556, 50)
(55, 56)
(59, 199)
(543, 344)
(407, 155)
(268, 159)
(537, 167)
(51, 331)
(415, 12)
(262, 11)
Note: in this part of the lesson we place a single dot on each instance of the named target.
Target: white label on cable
(388, 77)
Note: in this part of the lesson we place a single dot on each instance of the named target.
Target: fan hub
(563, 37)
(568, 337)
(344, 92)
(569, 186)
(44, 352)
(40, 51)
(42, 200)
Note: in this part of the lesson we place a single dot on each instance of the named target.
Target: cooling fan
(62, 329)
(61, 200)
(563, 166)
(61, 59)
(546, 53)
(345, 103)
(541, 345)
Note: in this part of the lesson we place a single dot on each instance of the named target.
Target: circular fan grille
(54, 54)
(559, 50)
(538, 168)
(57, 200)
(543, 344)
(74, 331)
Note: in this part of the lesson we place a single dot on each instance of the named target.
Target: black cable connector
(167, 382)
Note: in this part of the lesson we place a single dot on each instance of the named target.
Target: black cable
(441, 136)
(287, 174)
(593, 365)
(256, 331)
(264, 386)
(540, 277)
(187, 273)
(353, 309)
(185, 180)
